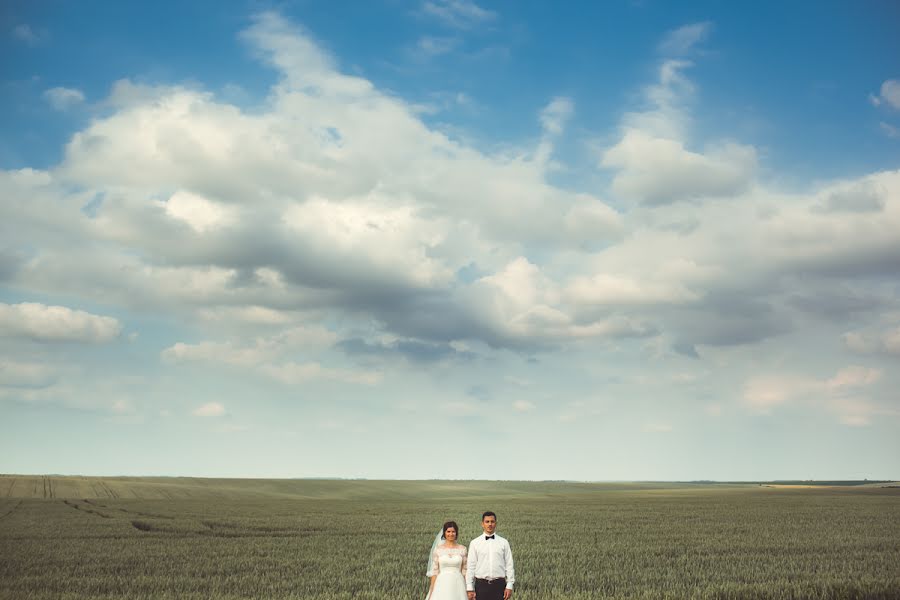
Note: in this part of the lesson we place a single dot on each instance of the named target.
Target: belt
(490, 579)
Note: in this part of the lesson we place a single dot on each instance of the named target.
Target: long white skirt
(449, 585)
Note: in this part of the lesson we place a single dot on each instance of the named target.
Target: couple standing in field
(484, 572)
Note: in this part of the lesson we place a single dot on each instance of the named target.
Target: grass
(193, 538)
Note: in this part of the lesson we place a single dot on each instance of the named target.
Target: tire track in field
(74, 505)
(129, 512)
(10, 488)
(109, 491)
(10, 511)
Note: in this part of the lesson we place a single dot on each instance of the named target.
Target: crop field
(140, 538)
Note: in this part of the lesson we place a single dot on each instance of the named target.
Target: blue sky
(594, 241)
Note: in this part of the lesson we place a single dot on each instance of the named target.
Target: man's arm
(510, 572)
(472, 559)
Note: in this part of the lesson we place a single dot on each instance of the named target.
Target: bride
(447, 566)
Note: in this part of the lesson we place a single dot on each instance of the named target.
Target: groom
(489, 574)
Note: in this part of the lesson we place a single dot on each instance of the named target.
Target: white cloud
(384, 240)
(293, 373)
(210, 409)
(429, 46)
(521, 304)
(335, 199)
(462, 14)
(889, 130)
(268, 355)
(889, 95)
(763, 393)
(852, 377)
(199, 213)
(259, 315)
(24, 33)
(523, 406)
(855, 411)
(21, 374)
(682, 40)
(651, 161)
(886, 341)
(656, 170)
(840, 394)
(555, 115)
(397, 206)
(259, 351)
(801, 236)
(62, 98)
(56, 323)
(616, 290)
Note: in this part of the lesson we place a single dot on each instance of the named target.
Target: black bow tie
(488, 537)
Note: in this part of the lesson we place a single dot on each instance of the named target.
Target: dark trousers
(489, 590)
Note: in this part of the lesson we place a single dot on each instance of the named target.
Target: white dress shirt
(489, 559)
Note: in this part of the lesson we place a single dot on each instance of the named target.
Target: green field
(73, 537)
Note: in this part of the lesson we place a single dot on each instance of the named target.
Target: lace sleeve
(437, 563)
(465, 559)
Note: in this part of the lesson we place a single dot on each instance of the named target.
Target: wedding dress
(450, 568)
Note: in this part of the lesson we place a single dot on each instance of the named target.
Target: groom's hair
(447, 526)
(487, 514)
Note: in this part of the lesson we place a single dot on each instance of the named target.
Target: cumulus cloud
(199, 213)
(304, 206)
(335, 199)
(861, 196)
(62, 98)
(521, 305)
(652, 164)
(858, 234)
(40, 322)
(611, 290)
(382, 240)
(661, 171)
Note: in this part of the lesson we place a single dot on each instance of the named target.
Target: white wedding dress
(450, 568)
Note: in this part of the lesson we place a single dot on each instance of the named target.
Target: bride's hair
(447, 526)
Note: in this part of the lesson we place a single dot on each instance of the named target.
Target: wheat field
(142, 538)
